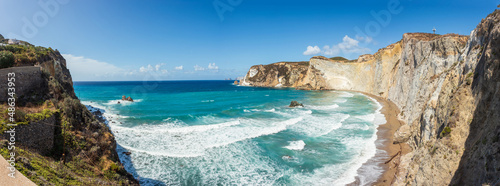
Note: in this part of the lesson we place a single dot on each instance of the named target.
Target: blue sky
(217, 39)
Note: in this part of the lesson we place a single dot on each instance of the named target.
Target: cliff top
(419, 36)
(23, 53)
(429, 36)
(334, 59)
(303, 63)
(485, 25)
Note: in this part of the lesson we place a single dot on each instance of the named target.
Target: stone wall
(29, 83)
(37, 136)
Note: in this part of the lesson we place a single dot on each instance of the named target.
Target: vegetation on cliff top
(22, 54)
(84, 150)
(7, 59)
(339, 58)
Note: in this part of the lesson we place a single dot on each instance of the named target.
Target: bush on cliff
(6, 59)
(27, 54)
(338, 58)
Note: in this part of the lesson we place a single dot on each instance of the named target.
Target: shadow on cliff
(480, 163)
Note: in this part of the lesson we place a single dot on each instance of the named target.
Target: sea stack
(295, 104)
(124, 98)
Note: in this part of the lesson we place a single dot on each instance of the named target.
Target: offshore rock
(124, 98)
(295, 104)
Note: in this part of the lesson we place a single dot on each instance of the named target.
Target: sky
(127, 40)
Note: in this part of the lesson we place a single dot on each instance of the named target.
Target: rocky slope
(59, 142)
(448, 90)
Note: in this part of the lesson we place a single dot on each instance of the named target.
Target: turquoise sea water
(216, 133)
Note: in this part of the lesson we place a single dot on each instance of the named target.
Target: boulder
(295, 104)
(236, 82)
(402, 135)
(124, 98)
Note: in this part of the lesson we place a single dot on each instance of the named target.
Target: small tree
(6, 59)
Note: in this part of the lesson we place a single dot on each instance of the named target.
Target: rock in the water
(236, 82)
(127, 153)
(124, 98)
(295, 104)
(118, 102)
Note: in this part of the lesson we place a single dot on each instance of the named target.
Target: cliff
(58, 141)
(447, 88)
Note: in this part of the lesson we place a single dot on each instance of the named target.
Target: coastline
(385, 134)
(386, 150)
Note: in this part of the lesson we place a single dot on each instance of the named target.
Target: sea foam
(193, 141)
(296, 145)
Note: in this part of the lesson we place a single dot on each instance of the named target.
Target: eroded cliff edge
(448, 90)
(58, 141)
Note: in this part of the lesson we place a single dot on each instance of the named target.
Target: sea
(218, 133)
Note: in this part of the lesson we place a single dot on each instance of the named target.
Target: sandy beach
(386, 134)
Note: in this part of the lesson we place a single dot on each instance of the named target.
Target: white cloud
(198, 68)
(158, 66)
(312, 50)
(151, 69)
(212, 66)
(179, 67)
(346, 47)
(366, 40)
(85, 69)
(148, 68)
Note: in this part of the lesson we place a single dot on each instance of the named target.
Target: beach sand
(385, 135)
(386, 131)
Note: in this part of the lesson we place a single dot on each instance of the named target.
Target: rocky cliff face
(59, 141)
(448, 89)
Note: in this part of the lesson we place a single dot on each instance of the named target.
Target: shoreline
(385, 134)
(387, 157)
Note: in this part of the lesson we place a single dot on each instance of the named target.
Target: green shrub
(469, 74)
(6, 59)
(433, 151)
(338, 58)
(446, 131)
